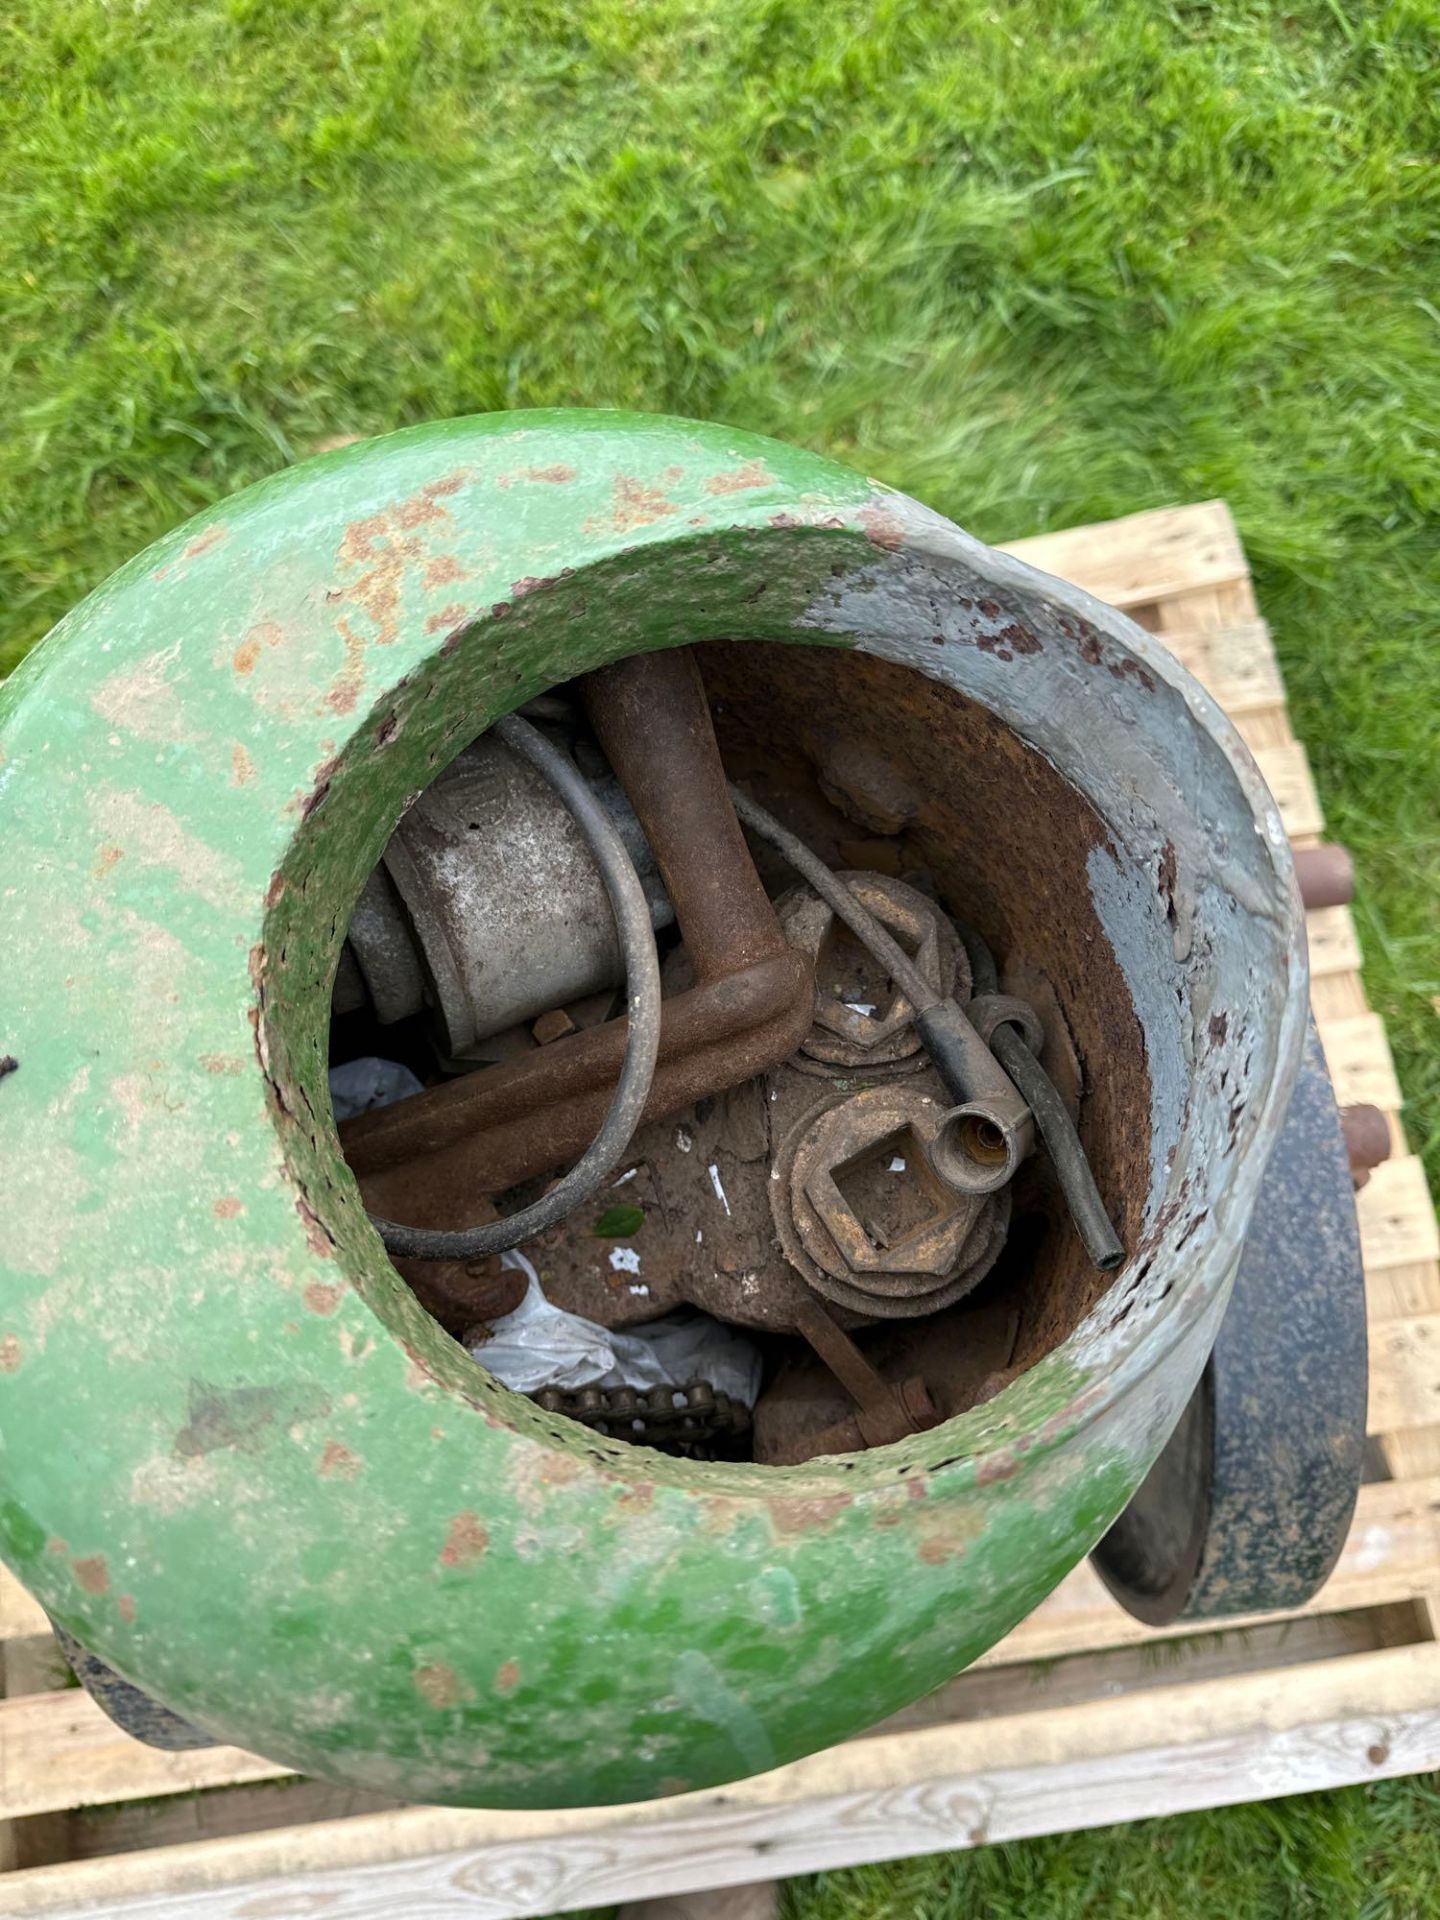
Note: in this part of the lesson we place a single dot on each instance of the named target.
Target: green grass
(1037, 261)
(1364, 1854)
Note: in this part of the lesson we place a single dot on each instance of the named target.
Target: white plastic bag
(540, 1345)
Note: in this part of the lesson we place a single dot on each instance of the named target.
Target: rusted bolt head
(860, 1017)
(875, 1207)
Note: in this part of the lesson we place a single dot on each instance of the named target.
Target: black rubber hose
(840, 900)
(642, 1033)
(1052, 1117)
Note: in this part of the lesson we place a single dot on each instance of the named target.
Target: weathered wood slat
(1358, 1056)
(1397, 1220)
(1287, 774)
(963, 1784)
(1405, 1374)
(1238, 668)
(1144, 557)
(1334, 944)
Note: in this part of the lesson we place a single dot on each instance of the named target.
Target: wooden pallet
(1080, 1718)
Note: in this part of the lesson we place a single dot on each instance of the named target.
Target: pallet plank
(1397, 1219)
(1405, 1374)
(1391, 1555)
(1334, 943)
(1358, 1056)
(1145, 556)
(58, 1750)
(1287, 774)
(964, 1784)
(1237, 667)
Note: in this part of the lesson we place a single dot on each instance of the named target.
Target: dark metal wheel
(130, 1707)
(1247, 1507)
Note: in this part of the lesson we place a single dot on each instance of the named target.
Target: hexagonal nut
(929, 1224)
(844, 1034)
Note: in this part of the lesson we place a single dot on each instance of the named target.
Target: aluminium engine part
(309, 1523)
(487, 904)
(1248, 1505)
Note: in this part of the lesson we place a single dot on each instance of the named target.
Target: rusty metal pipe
(1325, 875)
(442, 1151)
(652, 719)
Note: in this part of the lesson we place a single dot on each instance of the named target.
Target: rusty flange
(890, 1247)
(850, 1031)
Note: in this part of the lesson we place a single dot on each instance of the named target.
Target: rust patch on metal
(447, 617)
(242, 767)
(344, 694)
(443, 571)
(319, 792)
(105, 859)
(754, 473)
(322, 1297)
(438, 1685)
(203, 542)
(1007, 844)
(1090, 647)
(636, 505)
(247, 655)
(1009, 641)
(125, 1607)
(11, 1354)
(815, 1515)
(92, 1573)
(230, 1208)
(466, 1541)
(507, 1676)
(337, 1462)
(229, 1063)
(996, 1466)
(882, 529)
